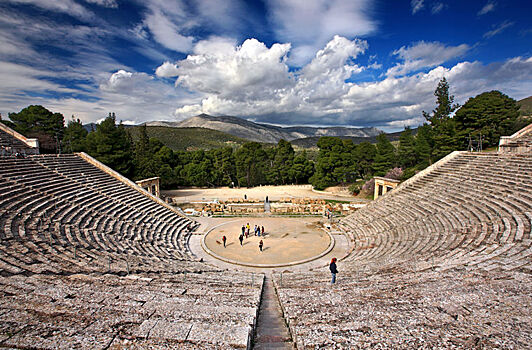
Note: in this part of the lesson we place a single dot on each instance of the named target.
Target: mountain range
(263, 132)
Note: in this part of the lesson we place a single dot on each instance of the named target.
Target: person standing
(243, 229)
(262, 231)
(260, 245)
(241, 239)
(224, 239)
(333, 269)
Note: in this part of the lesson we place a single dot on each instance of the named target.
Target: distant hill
(263, 132)
(310, 142)
(180, 139)
(525, 106)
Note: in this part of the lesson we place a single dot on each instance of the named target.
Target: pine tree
(74, 137)
(423, 146)
(406, 152)
(491, 114)
(443, 126)
(385, 156)
(111, 145)
(37, 121)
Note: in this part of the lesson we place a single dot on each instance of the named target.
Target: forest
(477, 124)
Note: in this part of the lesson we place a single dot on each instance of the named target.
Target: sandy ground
(285, 240)
(273, 192)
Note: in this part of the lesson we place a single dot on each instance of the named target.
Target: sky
(353, 63)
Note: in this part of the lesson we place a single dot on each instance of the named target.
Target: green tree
(74, 137)
(364, 155)
(281, 164)
(406, 152)
(423, 146)
(251, 163)
(302, 168)
(224, 166)
(443, 126)
(110, 144)
(36, 121)
(445, 104)
(491, 114)
(384, 157)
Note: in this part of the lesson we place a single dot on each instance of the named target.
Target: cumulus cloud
(243, 72)
(424, 55)
(417, 5)
(498, 29)
(489, 7)
(321, 93)
(167, 70)
(309, 25)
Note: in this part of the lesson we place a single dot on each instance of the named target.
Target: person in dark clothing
(243, 229)
(333, 269)
(260, 245)
(224, 239)
(262, 231)
(241, 239)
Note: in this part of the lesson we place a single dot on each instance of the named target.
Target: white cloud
(489, 7)
(242, 72)
(167, 33)
(417, 5)
(319, 94)
(424, 55)
(104, 3)
(437, 7)
(69, 7)
(309, 25)
(498, 29)
(167, 70)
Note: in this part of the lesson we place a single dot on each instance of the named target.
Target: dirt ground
(274, 193)
(285, 240)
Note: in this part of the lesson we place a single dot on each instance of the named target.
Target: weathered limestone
(384, 185)
(151, 185)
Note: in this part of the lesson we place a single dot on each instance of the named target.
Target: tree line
(479, 122)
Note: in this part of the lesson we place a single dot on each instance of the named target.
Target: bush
(355, 188)
(395, 173)
(369, 186)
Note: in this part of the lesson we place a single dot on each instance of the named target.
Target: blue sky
(285, 62)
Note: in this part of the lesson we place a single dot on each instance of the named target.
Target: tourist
(262, 231)
(241, 238)
(255, 230)
(243, 229)
(260, 245)
(224, 239)
(333, 269)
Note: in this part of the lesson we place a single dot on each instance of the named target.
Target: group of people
(246, 232)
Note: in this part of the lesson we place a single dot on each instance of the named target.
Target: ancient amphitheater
(90, 260)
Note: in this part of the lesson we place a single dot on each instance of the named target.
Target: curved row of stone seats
(474, 212)
(40, 206)
(10, 145)
(207, 310)
(395, 307)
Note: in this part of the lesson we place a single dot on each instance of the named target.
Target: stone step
(271, 331)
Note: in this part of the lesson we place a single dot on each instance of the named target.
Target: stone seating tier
(45, 200)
